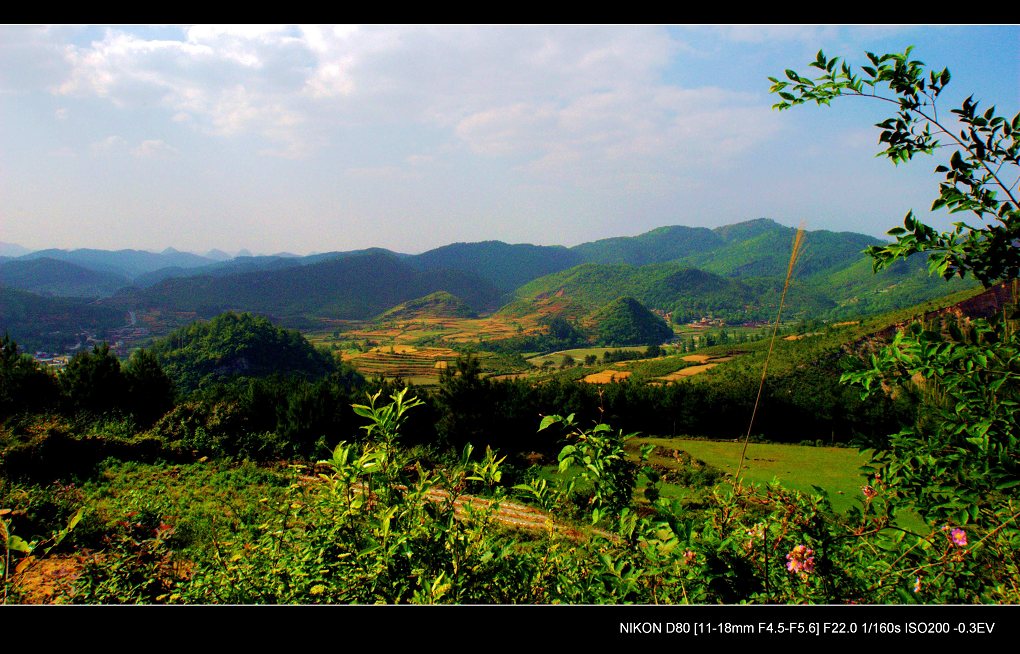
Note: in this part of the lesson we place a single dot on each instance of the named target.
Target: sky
(318, 138)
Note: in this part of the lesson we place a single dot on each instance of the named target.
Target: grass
(581, 352)
(797, 467)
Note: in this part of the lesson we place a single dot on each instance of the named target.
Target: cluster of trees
(189, 407)
(94, 382)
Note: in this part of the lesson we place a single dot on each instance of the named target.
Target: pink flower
(958, 537)
(869, 492)
(801, 561)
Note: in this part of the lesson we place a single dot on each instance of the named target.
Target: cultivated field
(415, 350)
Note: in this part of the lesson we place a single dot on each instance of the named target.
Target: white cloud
(649, 131)
(30, 57)
(574, 102)
(109, 144)
(154, 149)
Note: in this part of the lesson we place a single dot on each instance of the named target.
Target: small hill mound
(625, 321)
(234, 344)
(434, 305)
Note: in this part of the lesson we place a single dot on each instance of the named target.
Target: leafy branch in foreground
(980, 176)
(959, 463)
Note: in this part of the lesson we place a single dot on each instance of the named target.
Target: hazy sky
(317, 138)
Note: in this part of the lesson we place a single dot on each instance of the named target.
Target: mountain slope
(582, 290)
(47, 276)
(657, 246)
(352, 287)
(52, 324)
(505, 266)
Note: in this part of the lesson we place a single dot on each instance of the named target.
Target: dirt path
(513, 514)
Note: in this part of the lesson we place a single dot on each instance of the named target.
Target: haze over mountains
(733, 272)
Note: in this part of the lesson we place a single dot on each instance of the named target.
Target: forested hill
(237, 345)
(51, 323)
(657, 246)
(737, 276)
(504, 265)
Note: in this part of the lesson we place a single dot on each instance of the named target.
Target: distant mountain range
(733, 272)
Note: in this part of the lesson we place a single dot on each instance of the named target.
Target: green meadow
(797, 467)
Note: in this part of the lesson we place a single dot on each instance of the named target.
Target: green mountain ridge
(585, 289)
(353, 287)
(734, 272)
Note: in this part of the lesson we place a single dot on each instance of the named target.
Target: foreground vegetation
(365, 527)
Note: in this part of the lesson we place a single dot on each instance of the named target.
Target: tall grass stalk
(798, 248)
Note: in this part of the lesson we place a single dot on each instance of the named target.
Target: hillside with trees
(625, 321)
(232, 345)
(53, 324)
(53, 277)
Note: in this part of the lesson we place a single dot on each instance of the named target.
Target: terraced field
(403, 361)
(606, 376)
(704, 362)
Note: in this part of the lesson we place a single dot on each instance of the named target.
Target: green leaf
(547, 421)
(18, 544)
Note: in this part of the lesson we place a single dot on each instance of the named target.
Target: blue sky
(317, 138)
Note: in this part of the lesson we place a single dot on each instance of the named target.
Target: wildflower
(689, 557)
(801, 561)
(869, 492)
(958, 537)
(917, 585)
(755, 535)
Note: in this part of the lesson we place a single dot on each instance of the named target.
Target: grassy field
(580, 353)
(797, 467)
